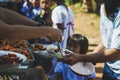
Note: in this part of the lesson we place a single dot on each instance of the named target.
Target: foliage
(76, 7)
(70, 2)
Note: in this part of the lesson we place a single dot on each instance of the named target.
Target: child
(31, 9)
(78, 44)
(63, 18)
(44, 17)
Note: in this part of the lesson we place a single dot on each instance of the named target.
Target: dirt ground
(88, 25)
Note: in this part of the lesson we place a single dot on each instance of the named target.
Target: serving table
(28, 70)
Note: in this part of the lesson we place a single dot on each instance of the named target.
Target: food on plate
(56, 50)
(59, 55)
(13, 44)
(37, 47)
(19, 46)
(10, 59)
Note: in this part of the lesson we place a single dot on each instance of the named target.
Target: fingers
(55, 38)
(55, 35)
(59, 38)
(67, 59)
(68, 55)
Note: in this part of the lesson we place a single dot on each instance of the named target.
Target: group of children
(60, 17)
(38, 10)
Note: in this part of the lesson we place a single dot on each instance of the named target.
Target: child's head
(45, 4)
(34, 3)
(78, 43)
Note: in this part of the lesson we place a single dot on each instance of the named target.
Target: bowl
(45, 54)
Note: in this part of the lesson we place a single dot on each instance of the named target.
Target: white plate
(21, 56)
(60, 55)
(83, 68)
(50, 47)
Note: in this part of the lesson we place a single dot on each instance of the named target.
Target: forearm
(11, 17)
(60, 26)
(99, 48)
(105, 56)
(25, 32)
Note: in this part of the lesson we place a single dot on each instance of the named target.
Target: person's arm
(99, 48)
(26, 32)
(60, 26)
(57, 19)
(106, 55)
(13, 18)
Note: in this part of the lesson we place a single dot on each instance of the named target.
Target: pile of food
(19, 46)
(37, 47)
(10, 59)
(48, 51)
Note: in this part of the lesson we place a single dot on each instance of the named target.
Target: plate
(83, 68)
(19, 55)
(62, 53)
(45, 54)
(50, 47)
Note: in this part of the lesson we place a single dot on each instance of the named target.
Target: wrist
(47, 31)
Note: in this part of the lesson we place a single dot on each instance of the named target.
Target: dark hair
(112, 7)
(60, 2)
(78, 39)
(47, 18)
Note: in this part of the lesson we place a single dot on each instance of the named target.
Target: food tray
(19, 46)
(31, 62)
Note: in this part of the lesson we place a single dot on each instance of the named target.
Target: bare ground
(88, 25)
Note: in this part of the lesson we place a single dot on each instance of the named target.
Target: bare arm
(99, 48)
(27, 32)
(60, 26)
(104, 56)
(11, 17)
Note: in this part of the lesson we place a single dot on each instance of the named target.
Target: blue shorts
(109, 74)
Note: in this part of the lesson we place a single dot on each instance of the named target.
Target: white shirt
(110, 33)
(61, 15)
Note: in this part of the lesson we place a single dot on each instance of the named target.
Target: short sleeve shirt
(110, 33)
(62, 15)
(68, 74)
